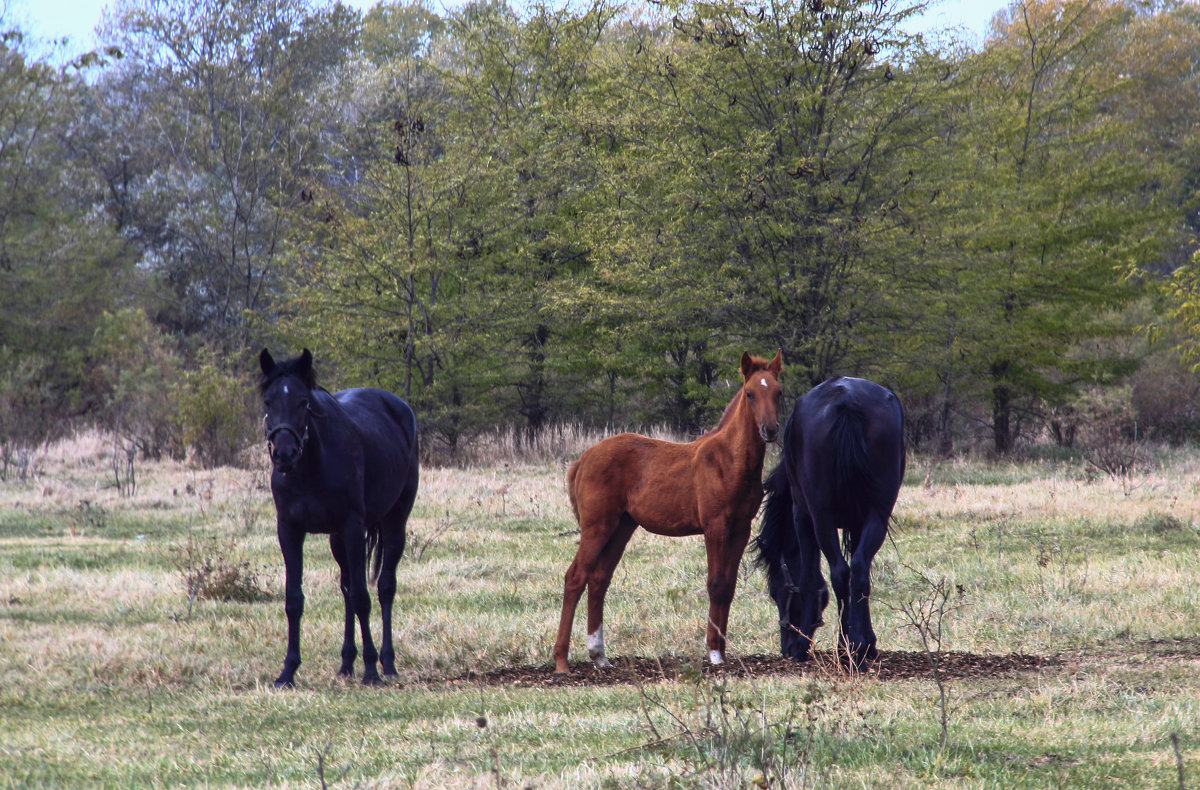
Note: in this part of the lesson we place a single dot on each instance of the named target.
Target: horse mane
(756, 364)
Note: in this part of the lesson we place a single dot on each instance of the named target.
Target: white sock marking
(595, 646)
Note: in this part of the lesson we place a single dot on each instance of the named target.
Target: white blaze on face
(285, 389)
(763, 381)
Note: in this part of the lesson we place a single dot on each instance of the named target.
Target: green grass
(110, 677)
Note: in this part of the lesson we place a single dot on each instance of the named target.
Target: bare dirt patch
(891, 665)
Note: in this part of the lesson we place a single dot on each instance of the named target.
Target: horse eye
(750, 395)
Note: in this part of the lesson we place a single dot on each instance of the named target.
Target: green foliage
(214, 415)
(1037, 210)
(25, 409)
(236, 94)
(61, 263)
(520, 216)
(131, 369)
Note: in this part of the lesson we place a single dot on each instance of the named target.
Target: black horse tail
(777, 537)
(852, 463)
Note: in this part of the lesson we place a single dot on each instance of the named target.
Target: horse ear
(266, 362)
(747, 365)
(305, 369)
(776, 366)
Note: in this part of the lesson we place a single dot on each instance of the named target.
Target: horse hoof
(372, 680)
(282, 683)
(561, 675)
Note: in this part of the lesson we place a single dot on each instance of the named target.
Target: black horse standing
(843, 461)
(344, 465)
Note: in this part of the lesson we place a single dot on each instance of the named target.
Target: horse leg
(392, 550)
(806, 576)
(592, 540)
(724, 548)
(826, 533)
(353, 541)
(291, 544)
(349, 651)
(597, 588)
(862, 635)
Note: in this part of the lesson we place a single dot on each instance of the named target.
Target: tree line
(525, 216)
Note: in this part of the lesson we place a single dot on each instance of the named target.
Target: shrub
(214, 416)
(129, 369)
(212, 571)
(1166, 399)
(25, 403)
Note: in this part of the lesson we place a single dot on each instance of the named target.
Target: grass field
(112, 674)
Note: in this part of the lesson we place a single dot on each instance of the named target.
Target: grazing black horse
(343, 465)
(843, 461)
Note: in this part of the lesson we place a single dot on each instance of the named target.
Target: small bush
(25, 408)
(211, 571)
(1158, 523)
(214, 416)
(1166, 400)
(87, 518)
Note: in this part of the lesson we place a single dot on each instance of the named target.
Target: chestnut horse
(710, 486)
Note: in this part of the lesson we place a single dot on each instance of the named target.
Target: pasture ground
(1039, 621)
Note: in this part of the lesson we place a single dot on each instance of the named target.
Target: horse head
(762, 393)
(801, 602)
(286, 389)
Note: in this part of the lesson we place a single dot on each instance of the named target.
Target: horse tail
(777, 536)
(571, 473)
(852, 462)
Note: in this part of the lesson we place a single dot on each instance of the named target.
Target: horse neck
(738, 431)
(321, 418)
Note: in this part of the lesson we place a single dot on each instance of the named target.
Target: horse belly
(666, 515)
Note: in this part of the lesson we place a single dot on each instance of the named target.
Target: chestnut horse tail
(574, 470)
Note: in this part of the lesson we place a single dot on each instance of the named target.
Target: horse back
(649, 479)
(860, 424)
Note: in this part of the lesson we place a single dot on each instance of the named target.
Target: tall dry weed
(551, 444)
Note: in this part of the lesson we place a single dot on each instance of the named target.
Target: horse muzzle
(285, 460)
(286, 445)
(768, 434)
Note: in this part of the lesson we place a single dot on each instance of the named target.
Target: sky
(76, 19)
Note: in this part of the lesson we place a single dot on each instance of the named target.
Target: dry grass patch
(106, 679)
